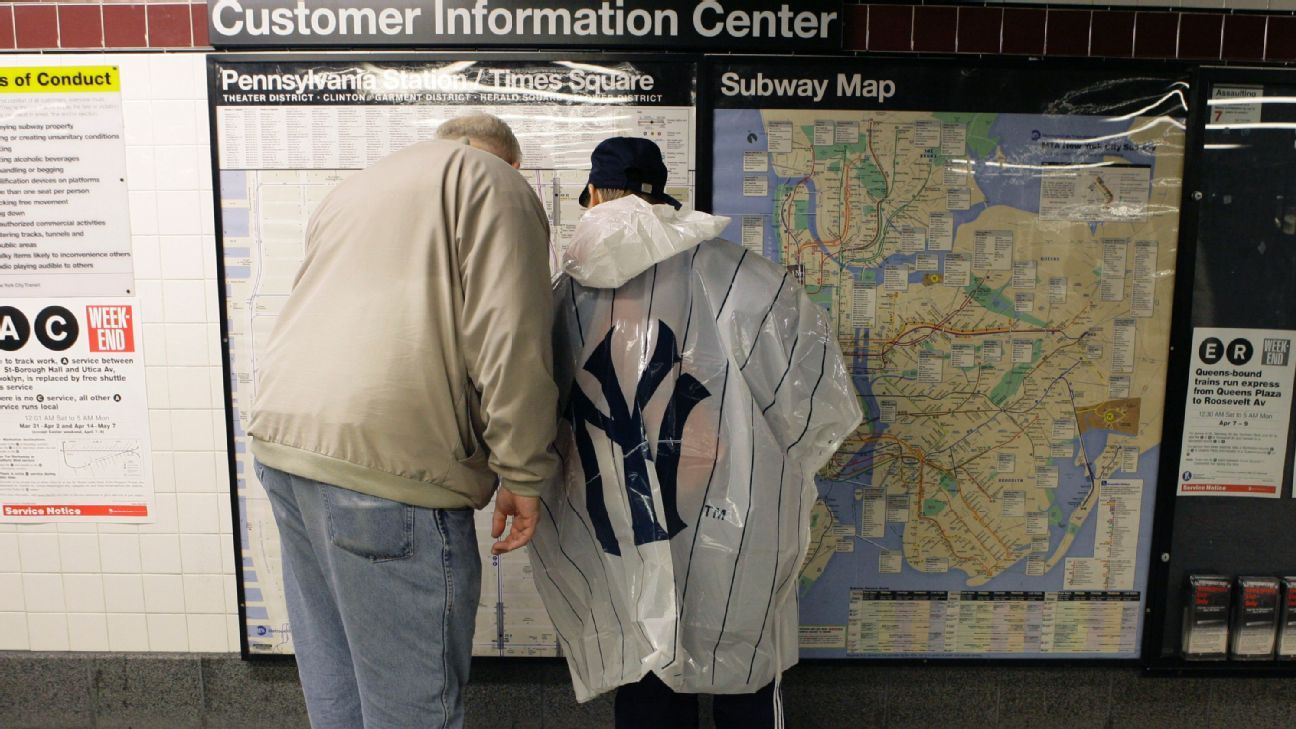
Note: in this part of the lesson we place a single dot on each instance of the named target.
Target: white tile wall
(204, 595)
(164, 506)
(154, 337)
(48, 631)
(143, 210)
(11, 593)
(164, 594)
(207, 633)
(13, 631)
(43, 592)
(159, 387)
(184, 301)
(190, 387)
(119, 552)
(191, 430)
(200, 554)
(72, 528)
(88, 631)
(128, 632)
(84, 593)
(198, 513)
(187, 345)
(123, 593)
(181, 256)
(195, 472)
(38, 552)
(163, 586)
(9, 561)
(168, 632)
(163, 472)
(79, 552)
(160, 554)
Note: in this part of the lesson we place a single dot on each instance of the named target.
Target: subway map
(1000, 284)
(271, 180)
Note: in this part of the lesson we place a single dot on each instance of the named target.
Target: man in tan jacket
(410, 369)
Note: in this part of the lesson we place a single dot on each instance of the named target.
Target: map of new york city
(1000, 289)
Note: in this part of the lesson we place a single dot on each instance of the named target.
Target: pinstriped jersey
(698, 399)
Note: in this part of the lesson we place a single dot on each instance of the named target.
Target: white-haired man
(402, 380)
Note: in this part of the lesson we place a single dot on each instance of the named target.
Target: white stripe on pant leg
(778, 703)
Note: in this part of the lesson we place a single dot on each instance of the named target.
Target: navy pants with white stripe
(650, 704)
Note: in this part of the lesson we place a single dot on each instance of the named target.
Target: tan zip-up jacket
(413, 360)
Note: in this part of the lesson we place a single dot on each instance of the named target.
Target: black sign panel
(874, 85)
(365, 83)
(1240, 229)
(806, 25)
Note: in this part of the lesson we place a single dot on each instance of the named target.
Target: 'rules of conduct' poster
(64, 217)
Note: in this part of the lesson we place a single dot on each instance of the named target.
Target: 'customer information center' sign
(710, 24)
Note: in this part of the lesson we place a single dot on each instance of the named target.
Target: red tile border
(854, 28)
(199, 16)
(80, 26)
(1023, 31)
(36, 26)
(1200, 35)
(890, 27)
(1067, 33)
(1112, 34)
(124, 26)
(979, 29)
(1281, 45)
(1244, 37)
(1156, 35)
(6, 28)
(935, 28)
(169, 26)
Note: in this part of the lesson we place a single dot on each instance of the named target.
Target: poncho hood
(618, 240)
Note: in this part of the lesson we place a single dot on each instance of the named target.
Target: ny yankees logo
(623, 424)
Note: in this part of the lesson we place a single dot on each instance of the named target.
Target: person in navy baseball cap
(650, 311)
(627, 165)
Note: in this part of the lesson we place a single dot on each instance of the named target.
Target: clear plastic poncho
(700, 392)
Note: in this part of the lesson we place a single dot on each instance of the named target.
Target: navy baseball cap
(628, 163)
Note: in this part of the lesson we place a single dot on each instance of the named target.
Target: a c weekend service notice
(74, 431)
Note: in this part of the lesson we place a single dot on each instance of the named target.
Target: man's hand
(525, 511)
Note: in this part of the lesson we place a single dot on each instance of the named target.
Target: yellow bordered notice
(59, 79)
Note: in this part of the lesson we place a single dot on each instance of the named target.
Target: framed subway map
(288, 128)
(997, 248)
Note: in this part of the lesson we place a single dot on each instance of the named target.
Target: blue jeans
(382, 598)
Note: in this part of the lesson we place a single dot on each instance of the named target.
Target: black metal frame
(1170, 70)
(373, 56)
(1159, 658)
(704, 115)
